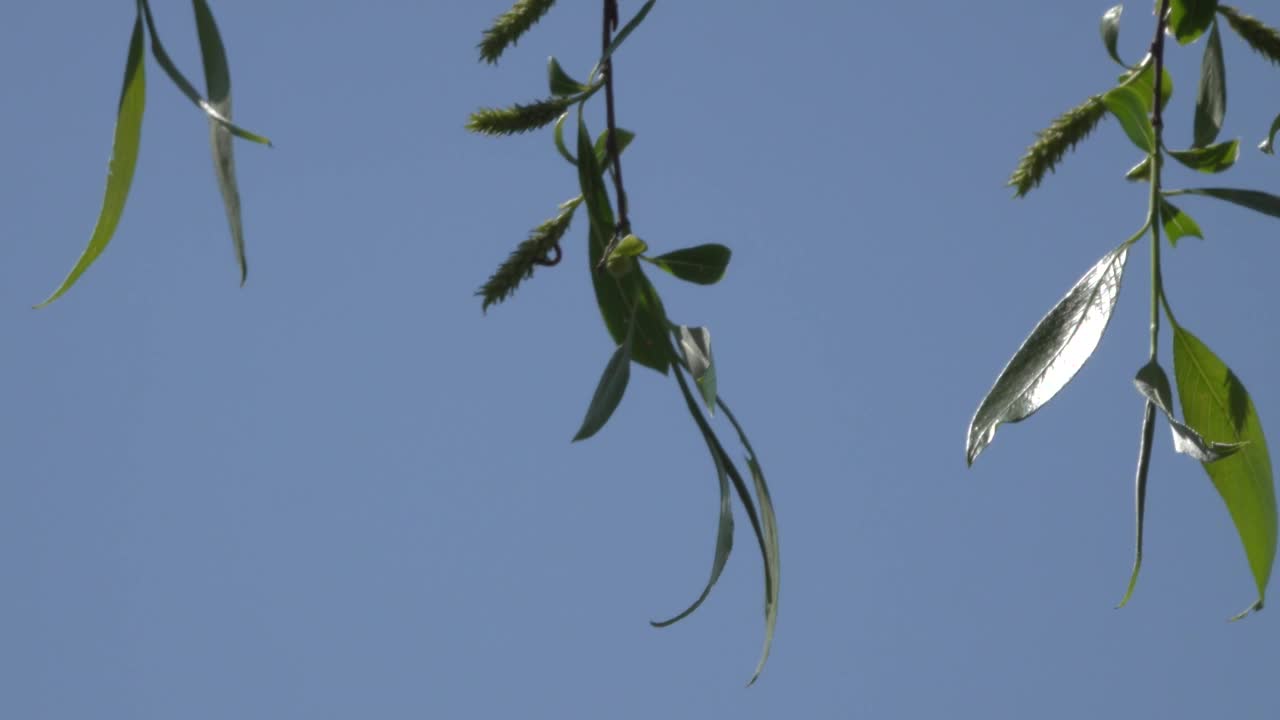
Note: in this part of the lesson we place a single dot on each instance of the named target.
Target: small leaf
(1177, 224)
(1263, 39)
(124, 159)
(1211, 159)
(695, 346)
(510, 25)
(1215, 403)
(1127, 106)
(519, 118)
(1264, 203)
(1153, 384)
(630, 246)
(1211, 101)
(1188, 19)
(601, 146)
(1054, 352)
(608, 394)
(559, 80)
(1267, 145)
(702, 264)
(217, 78)
(1110, 28)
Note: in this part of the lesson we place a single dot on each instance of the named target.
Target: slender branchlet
(519, 118)
(510, 25)
(543, 242)
(1262, 38)
(615, 154)
(1054, 142)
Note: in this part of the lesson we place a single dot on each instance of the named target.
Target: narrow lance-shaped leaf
(1211, 159)
(124, 159)
(559, 80)
(1110, 27)
(1268, 143)
(695, 347)
(724, 541)
(1188, 19)
(510, 25)
(1216, 404)
(609, 391)
(701, 264)
(1140, 497)
(1054, 352)
(185, 86)
(1255, 200)
(1126, 105)
(1177, 224)
(1211, 100)
(769, 540)
(1264, 40)
(217, 78)
(622, 35)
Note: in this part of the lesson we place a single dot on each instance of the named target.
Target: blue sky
(343, 492)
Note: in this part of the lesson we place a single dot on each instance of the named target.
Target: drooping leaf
(1188, 19)
(217, 79)
(695, 346)
(1216, 404)
(1153, 384)
(769, 541)
(701, 264)
(561, 147)
(601, 146)
(1126, 105)
(622, 35)
(560, 82)
(1255, 200)
(1054, 352)
(124, 159)
(1211, 100)
(1264, 40)
(1140, 497)
(609, 391)
(1177, 224)
(1140, 172)
(724, 541)
(510, 25)
(1110, 28)
(1053, 143)
(185, 86)
(1268, 143)
(1211, 159)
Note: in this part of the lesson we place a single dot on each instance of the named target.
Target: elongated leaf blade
(1127, 106)
(1216, 404)
(1268, 143)
(1140, 497)
(560, 82)
(185, 86)
(217, 78)
(623, 34)
(1054, 352)
(1210, 159)
(695, 346)
(724, 541)
(702, 264)
(1177, 224)
(124, 159)
(1110, 28)
(609, 391)
(1211, 100)
(1188, 19)
(1255, 200)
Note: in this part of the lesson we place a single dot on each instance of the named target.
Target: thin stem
(611, 139)
(1153, 211)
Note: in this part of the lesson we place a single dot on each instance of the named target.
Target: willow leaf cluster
(630, 305)
(215, 104)
(1220, 427)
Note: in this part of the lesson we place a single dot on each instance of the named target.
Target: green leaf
(184, 85)
(217, 79)
(1127, 106)
(510, 25)
(1140, 172)
(768, 542)
(695, 346)
(724, 540)
(1054, 352)
(1215, 403)
(1143, 78)
(560, 81)
(702, 264)
(1110, 28)
(601, 147)
(608, 394)
(622, 35)
(1188, 19)
(124, 159)
(1267, 145)
(531, 252)
(1177, 224)
(1153, 384)
(1264, 203)
(1211, 100)
(1211, 159)
(1140, 497)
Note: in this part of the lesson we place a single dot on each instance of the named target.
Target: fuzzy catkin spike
(510, 25)
(1263, 39)
(1053, 142)
(518, 118)
(519, 266)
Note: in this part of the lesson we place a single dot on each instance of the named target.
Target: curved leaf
(1127, 106)
(1188, 19)
(695, 346)
(1054, 352)
(1216, 404)
(702, 264)
(1255, 200)
(1110, 27)
(1268, 143)
(609, 391)
(1211, 159)
(1211, 101)
(622, 35)
(1177, 224)
(124, 159)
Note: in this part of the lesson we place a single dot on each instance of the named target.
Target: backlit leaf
(1258, 201)
(1188, 19)
(1177, 224)
(1211, 159)
(1110, 28)
(1127, 106)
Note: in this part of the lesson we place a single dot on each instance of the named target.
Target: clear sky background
(343, 492)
